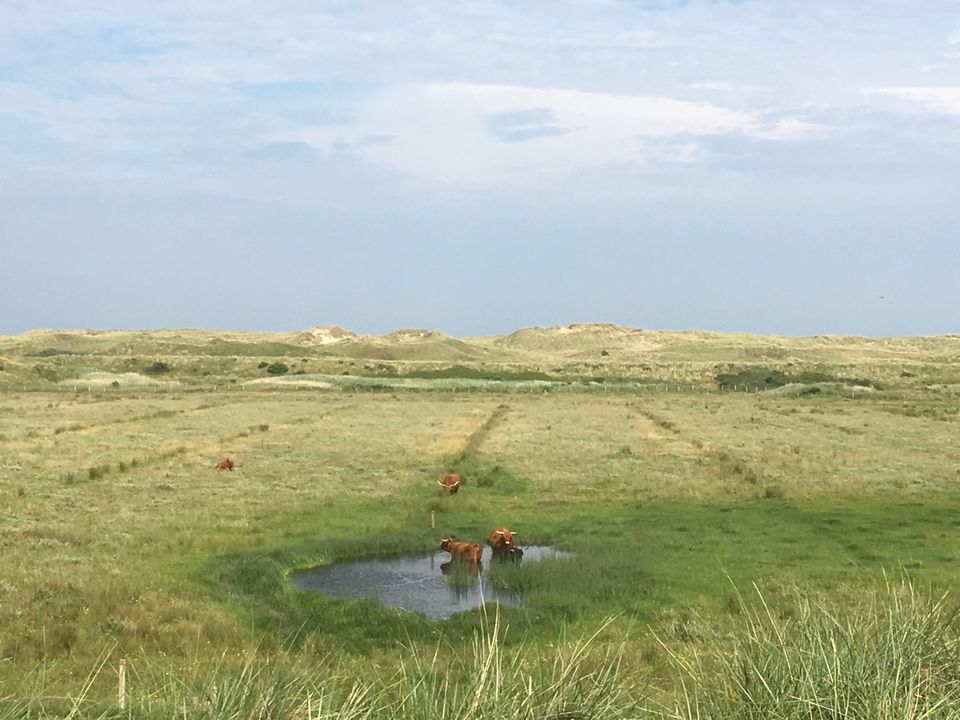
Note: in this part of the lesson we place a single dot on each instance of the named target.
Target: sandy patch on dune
(283, 382)
(106, 379)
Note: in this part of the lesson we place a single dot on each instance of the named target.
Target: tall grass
(891, 654)
(483, 680)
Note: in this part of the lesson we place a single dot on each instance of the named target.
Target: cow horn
(440, 484)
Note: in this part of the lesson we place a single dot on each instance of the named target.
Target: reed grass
(891, 653)
(887, 653)
(487, 679)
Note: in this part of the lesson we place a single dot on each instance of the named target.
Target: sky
(788, 167)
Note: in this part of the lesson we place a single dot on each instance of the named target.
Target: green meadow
(762, 527)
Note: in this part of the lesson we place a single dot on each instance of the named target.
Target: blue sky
(775, 167)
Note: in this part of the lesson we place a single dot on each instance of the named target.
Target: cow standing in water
(504, 544)
(225, 464)
(467, 551)
(450, 483)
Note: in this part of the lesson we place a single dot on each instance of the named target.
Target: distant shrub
(264, 427)
(753, 379)
(47, 373)
(277, 368)
(863, 382)
(460, 372)
(262, 365)
(773, 492)
(48, 352)
(761, 378)
(115, 384)
(157, 368)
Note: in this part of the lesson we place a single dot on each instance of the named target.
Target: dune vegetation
(763, 527)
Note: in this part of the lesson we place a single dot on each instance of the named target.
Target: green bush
(765, 378)
(157, 368)
(277, 368)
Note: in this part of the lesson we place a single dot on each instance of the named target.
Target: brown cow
(450, 483)
(504, 545)
(225, 464)
(471, 552)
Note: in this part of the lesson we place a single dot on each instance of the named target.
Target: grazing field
(713, 531)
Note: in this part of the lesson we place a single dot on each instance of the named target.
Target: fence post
(122, 684)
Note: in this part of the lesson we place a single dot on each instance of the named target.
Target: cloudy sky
(780, 167)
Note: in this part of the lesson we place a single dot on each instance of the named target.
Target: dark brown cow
(450, 483)
(471, 552)
(225, 464)
(504, 544)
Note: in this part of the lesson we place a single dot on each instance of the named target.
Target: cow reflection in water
(514, 554)
(450, 567)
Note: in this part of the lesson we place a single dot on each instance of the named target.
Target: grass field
(699, 518)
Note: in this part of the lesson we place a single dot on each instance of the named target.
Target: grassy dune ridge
(832, 468)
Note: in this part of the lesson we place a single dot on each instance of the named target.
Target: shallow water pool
(418, 583)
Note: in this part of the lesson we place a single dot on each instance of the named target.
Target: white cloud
(726, 87)
(792, 129)
(941, 99)
(503, 133)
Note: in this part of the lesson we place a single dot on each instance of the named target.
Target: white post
(122, 684)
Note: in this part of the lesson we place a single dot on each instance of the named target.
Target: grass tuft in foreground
(892, 654)
(483, 680)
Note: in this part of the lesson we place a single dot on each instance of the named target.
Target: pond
(419, 583)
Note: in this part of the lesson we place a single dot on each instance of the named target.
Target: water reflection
(419, 583)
